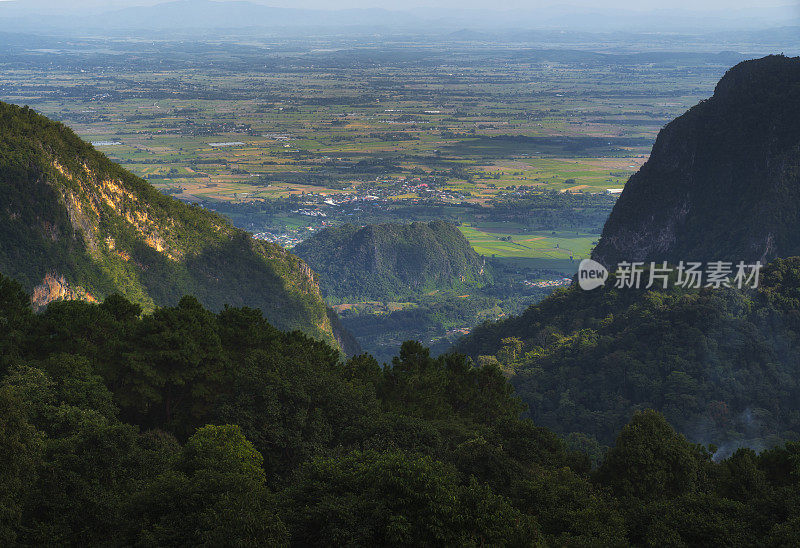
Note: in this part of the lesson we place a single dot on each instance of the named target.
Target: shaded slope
(722, 365)
(74, 223)
(722, 183)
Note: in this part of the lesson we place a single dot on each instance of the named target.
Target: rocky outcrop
(723, 180)
(55, 287)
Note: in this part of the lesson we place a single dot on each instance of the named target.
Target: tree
(175, 369)
(216, 496)
(396, 498)
(15, 315)
(21, 446)
(650, 460)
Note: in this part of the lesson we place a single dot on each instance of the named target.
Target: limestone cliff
(723, 179)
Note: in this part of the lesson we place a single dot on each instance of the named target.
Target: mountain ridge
(721, 364)
(76, 224)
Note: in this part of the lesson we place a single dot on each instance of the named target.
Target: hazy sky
(478, 4)
(522, 4)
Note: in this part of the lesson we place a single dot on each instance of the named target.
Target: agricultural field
(536, 249)
(255, 123)
(505, 241)
(329, 133)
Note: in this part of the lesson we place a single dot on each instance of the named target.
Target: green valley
(420, 281)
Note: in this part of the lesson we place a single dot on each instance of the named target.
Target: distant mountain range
(188, 14)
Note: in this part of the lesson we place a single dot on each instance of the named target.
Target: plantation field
(243, 164)
(363, 131)
(494, 241)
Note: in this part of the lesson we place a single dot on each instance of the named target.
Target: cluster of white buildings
(548, 283)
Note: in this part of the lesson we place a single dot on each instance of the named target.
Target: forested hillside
(75, 225)
(187, 427)
(393, 261)
(722, 365)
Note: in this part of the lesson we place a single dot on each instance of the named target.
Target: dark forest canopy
(186, 427)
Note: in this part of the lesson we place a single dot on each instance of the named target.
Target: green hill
(723, 365)
(75, 225)
(393, 261)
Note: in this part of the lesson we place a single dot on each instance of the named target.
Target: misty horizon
(581, 15)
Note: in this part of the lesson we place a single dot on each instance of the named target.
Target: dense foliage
(186, 427)
(68, 212)
(720, 364)
(439, 319)
(393, 261)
